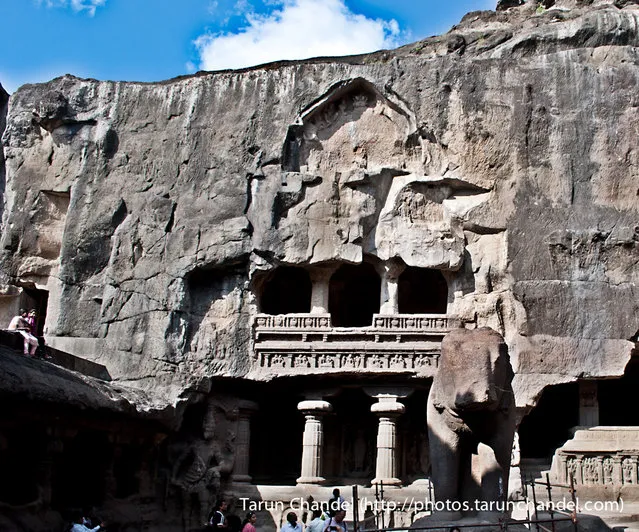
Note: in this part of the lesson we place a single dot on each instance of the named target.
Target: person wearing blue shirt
(291, 524)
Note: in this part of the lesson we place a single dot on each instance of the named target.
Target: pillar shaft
(386, 463)
(389, 293)
(312, 441)
(320, 279)
(242, 448)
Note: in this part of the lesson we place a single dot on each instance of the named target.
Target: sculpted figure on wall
(471, 412)
(202, 467)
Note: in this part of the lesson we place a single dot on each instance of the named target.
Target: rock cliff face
(503, 153)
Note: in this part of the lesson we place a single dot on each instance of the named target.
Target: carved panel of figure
(571, 468)
(204, 462)
(590, 470)
(608, 470)
(627, 466)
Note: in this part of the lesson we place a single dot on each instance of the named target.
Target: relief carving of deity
(590, 471)
(608, 468)
(627, 469)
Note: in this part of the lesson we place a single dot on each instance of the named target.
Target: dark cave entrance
(548, 425)
(354, 293)
(422, 291)
(276, 439)
(79, 480)
(287, 290)
(34, 298)
(612, 393)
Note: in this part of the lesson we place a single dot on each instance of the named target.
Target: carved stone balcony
(309, 344)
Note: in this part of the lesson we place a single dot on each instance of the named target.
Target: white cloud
(298, 30)
(78, 5)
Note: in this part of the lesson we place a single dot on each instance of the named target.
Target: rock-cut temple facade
(245, 276)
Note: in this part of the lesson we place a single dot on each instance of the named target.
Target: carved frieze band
(368, 361)
(410, 322)
(293, 321)
(392, 322)
(596, 470)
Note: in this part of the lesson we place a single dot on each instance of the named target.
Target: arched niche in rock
(353, 128)
(339, 160)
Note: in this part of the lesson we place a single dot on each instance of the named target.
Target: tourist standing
(335, 503)
(336, 523)
(217, 519)
(317, 524)
(291, 524)
(249, 522)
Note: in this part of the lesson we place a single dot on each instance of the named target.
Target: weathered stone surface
(503, 153)
(471, 411)
(40, 383)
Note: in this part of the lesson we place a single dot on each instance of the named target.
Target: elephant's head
(474, 371)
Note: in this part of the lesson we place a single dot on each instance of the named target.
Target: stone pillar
(320, 278)
(588, 404)
(313, 441)
(600, 472)
(388, 298)
(243, 442)
(617, 470)
(579, 472)
(387, 409)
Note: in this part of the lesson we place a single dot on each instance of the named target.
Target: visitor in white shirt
(79, 526)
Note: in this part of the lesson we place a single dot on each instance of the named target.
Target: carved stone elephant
(471, 412)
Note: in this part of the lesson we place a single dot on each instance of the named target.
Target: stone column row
(387, 409)
(389, 273)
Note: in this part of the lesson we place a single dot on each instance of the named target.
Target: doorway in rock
(422, 291)
(413, 460)
(33, 298)
(350, 433)
(276, 438)
(548, 425)
(286, 290)
(354, 292)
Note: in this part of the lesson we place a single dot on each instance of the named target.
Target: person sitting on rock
(20, 324)
(32, 320)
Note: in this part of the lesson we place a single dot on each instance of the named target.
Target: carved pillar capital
(390, 272)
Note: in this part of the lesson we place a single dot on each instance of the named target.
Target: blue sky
(152, 40)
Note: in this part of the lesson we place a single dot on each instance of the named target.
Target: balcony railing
(306, 343)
